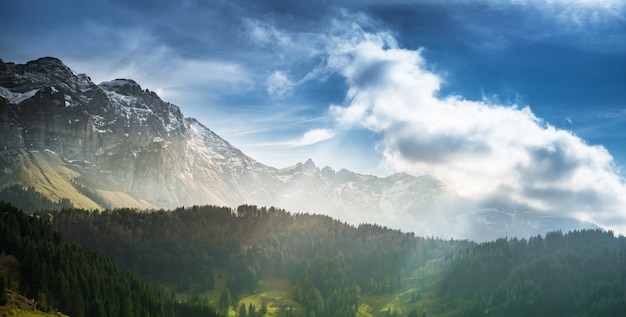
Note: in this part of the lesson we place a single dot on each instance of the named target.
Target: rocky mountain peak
(126, 87)
(43, 72)
(49, 62)
(50, 66)
(309, 165)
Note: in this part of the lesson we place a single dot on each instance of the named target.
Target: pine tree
(4, 299)
(251, 310)
(225, 300)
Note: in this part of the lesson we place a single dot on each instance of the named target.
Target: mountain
(62, 134)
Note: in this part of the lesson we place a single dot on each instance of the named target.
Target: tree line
(30, 200)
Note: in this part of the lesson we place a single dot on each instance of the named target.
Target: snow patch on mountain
(16, 97)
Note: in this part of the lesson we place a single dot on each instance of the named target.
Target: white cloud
(315, 136)
(484, 150)
(309, 137)
(278, 84)
(580, 15)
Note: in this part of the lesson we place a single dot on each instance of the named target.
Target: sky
(518, 100)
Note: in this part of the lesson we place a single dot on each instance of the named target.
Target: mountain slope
(62, 132)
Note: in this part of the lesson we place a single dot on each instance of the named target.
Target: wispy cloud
(140, 55)
(278, 84)
(312, 137)
(309, 137)
(279, 126)
(265, 33)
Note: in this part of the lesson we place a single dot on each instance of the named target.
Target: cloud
(278, 84)
(309, 137)
(264, 33)
(482, 148)
(584, 13)
(314, 136)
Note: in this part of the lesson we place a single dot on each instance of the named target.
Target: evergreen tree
(225, 300)
(4, 299)
(251, 310)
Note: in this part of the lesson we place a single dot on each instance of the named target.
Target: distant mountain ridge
(60, 130)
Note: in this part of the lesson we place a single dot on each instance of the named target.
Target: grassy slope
(423, 282)
(20, 306)
(49, 176)
(52, 176)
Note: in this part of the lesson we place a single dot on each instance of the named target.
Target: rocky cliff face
(141, 144)
(134, 149)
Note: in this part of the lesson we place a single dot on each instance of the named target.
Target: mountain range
(61, 133)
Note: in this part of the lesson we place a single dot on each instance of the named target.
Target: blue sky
(520, 99)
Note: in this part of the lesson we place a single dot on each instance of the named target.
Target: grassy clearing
(275, 293)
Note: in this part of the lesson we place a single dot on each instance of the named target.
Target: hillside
(312, 265)
(38, 263)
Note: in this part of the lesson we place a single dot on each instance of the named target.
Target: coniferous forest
(257, 261)
(73, 279)
(328, 263)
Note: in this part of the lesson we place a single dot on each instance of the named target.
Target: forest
(328, 263)
(580, 273)
(78, 281)
(258, 261)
